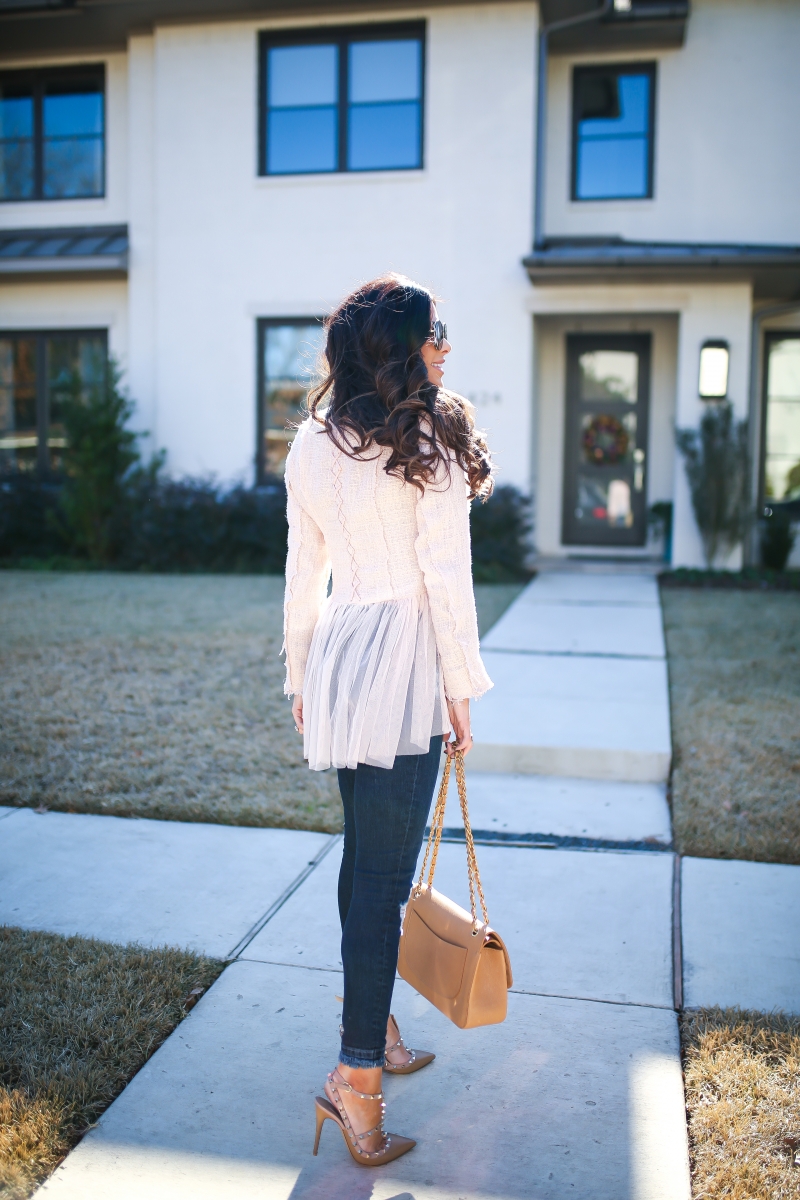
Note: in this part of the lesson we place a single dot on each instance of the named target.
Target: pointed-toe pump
(392, 1144)
(418, 1060)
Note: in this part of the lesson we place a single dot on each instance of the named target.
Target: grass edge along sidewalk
(740, 1076)
(78, 1019)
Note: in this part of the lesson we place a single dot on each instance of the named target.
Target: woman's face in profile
(433, 358)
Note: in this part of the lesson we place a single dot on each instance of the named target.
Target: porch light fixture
(714, 358)
(622, 5)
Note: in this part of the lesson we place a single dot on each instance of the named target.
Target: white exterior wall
(221, 246)
(69, 304)
(727, 135)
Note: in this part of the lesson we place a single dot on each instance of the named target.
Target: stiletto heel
(321, 1117)
(392, 1144)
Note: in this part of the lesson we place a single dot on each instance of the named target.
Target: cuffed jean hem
(365, 1059)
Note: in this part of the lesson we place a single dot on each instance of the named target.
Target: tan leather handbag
(454, 960)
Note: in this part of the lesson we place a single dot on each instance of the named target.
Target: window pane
(301, 139)
(302, 75)
(18, 427)
(381, 136)
(76, 366)
(16, 146)
(610, 168)
(384, 71)
(72, 114)
(290, 356)
(73, 142)
(782, 465)
(612, 152)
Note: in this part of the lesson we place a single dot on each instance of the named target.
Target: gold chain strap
(435, 837)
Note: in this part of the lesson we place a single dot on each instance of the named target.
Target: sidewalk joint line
(677, 936)
(253, 932)
(593, 1000)
(573, 654)
(13, 812)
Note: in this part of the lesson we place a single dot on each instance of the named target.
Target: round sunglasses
(438, 334)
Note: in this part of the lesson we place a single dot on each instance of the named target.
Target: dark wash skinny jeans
(385, 813)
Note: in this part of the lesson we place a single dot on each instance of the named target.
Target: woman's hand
(297, 713)
(459, 720)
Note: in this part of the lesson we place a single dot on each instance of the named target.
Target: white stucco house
(602, 194)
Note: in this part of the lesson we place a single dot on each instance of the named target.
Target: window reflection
(609, 375)
(52, 130)
(289, 358)
(38, 373)
(612, 133)
(782, 457)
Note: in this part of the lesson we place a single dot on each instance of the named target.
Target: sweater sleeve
(307, 571)
(443, 551)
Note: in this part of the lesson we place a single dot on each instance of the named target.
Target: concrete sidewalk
(580, 676)
(579, 1093)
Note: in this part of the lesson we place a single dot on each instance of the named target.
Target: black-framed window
(342, 100)
(52, 133)
(613, 116)
(288, 352)
(39, 370)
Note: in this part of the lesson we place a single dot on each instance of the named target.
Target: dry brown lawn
(734, 671)
(743, 1099)
(78, 1018)
(157, 696)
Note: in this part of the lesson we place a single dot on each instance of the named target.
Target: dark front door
(608, 395)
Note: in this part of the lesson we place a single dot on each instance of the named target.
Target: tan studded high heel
(392, 1144)
(418, 1060)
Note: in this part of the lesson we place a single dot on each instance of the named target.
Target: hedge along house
(605, 197)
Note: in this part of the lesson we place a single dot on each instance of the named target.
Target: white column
(141, 373)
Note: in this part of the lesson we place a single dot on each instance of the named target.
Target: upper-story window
(612, 132)
(52, 134)
(342, 100)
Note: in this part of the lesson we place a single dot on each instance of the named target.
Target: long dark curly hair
(376, 390)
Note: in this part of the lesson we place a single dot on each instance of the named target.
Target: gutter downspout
(751, 548)
(541, 109)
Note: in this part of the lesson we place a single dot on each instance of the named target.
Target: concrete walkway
(578, 1093)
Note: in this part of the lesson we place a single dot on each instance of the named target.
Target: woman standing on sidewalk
(382, 671)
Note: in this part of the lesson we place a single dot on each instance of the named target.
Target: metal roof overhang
(78, 250)
(774, 271)
(35, 27)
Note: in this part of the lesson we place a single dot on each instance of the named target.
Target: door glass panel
(290, 354)
(609, 375)
(19, 438)
(606, 440)
(782, 457)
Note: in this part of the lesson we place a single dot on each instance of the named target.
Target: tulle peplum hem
(372, 686)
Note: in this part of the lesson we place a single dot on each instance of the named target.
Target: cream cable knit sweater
(401, 612)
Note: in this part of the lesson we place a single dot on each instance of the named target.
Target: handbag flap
(430, 958)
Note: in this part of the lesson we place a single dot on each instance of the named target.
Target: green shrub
(717, 468)
(500, 530)
(99, 454)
